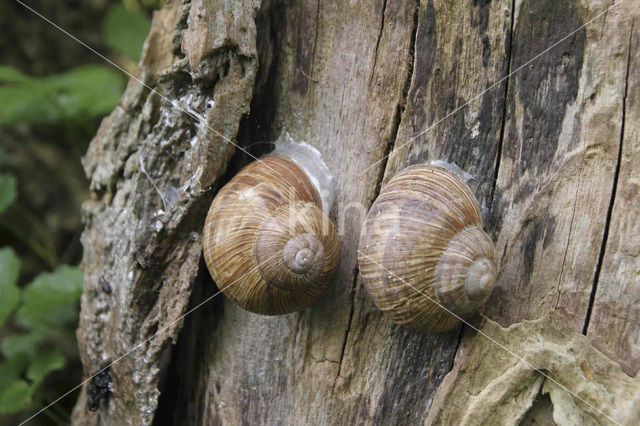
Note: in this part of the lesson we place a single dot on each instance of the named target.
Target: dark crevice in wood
(257, 130)
(504, 103)
(604, 18)
(387, 152)
(186, 365)
(375, 53)
(356, 273)
(509, 48)
(202, 295)
(455, 352)
(190, 348)
(605, 237)
(397, 119)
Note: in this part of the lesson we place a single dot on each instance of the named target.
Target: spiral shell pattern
(267, 243)
(424, 258)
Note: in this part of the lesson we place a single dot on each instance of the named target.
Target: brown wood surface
(151, 167)
(551, 151)
(614, 324)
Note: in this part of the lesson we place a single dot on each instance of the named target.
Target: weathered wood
(488, 385)
(559, 153)
(337, 82)
(459, 52)
(614, 325)
(150, 168)
(555, 181)
(358, 81)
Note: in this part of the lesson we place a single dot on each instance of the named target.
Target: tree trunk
(552, 144)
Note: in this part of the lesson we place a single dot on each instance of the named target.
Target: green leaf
(9, 267)
(22, 103)
(15, 397)
(43, 364)
(9, 371)
(8, 190)
(11, 75)
(9, 292)
(90, 91)
(9, 298)
(124, 31)
(51, 299)
(82, 93)
(21, 345)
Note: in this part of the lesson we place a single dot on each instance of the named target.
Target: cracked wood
(545, 148)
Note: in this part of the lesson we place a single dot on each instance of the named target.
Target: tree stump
(537, 100)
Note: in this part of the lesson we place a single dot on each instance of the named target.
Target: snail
(422, 248)
(267, 242)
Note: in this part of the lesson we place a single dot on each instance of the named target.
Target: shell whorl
(302, 253)
(466, 272)
(422, 247)
(267, 243)
(289, 247)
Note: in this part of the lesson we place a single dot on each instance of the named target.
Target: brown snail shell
(267, 243)
(425, 229)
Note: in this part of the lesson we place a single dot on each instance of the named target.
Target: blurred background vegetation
(53, 94)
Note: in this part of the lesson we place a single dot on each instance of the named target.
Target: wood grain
(558, 159)
(547, 151)
(340, 90)
(614, 324)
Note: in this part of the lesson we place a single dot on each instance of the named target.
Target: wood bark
(538, 105)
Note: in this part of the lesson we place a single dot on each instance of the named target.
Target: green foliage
(49, 301)
(124, 31)
(143, 4)
(10, 371)
(8, 191)
(82, 93)
(38, 316)
(85, 92)
(44, 364)
(18, 345)
(9, 292)
(11, 75)
(44, 308)
(15, 397)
